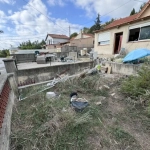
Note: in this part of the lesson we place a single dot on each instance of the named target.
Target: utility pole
(69, 31)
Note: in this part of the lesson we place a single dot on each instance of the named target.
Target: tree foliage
(4, 53)
(141, 7)
(97, 23)
(73, 35)
(132, 12)
(32, 45)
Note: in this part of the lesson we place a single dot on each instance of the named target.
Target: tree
(98, 23)
(32, 45)
(132, 12)
(107, 23)
(73, 35)
(85, 30)
(4, 53)
(92, 29)
(141, 7)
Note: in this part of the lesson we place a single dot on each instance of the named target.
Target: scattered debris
(106, 87)
(78, 103)
(112, 94)
(50, 95)
(98, 103)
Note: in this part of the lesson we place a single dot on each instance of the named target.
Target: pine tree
(132, 12)
(98, 23)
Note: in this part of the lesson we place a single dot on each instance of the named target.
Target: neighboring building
(54, 40)
(83, 40)
(129, 33)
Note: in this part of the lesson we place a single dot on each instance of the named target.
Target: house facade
(54, 40)
(126, 33)
(83, 40)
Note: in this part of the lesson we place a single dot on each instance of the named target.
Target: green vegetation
(73, 35)
(32, 45)
(4, 53)
(132, 12)
(138, 87)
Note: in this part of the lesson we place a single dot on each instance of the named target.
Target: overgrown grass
(51, 124)
(138, 87)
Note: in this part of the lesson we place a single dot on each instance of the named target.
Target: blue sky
(22, 20)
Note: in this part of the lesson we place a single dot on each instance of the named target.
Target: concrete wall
(129, 46)
(125, 69)
(20, 58)
(46, 73)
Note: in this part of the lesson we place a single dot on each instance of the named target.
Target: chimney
(81, 34)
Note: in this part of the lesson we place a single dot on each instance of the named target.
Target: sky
(23, 20)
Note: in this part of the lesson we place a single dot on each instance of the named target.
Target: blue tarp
(136, 54)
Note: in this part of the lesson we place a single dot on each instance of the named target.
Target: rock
(106, 87)
(50, 95)
(113, 94)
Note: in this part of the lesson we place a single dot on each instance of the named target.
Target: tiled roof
(58, 36)
(121, 21)
(127, 19)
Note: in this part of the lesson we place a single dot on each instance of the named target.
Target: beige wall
(129, 46)
(146, 13)
(81, 35)
(84, 42)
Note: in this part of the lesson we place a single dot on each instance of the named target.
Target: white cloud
(11, 2)
(10, 12)
(113, 8)
(30, 24)
(56, 2)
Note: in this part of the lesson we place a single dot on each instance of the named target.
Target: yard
(111, 121)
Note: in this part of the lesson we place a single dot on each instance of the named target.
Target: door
(118, 42)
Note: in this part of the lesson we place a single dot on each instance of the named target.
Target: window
(139, 32)
(134, 34)
(145, 33)
(104, 38)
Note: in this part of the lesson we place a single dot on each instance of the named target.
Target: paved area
(31, 65)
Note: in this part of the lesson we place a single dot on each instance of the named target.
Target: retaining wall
(48, 72)
(126, 69)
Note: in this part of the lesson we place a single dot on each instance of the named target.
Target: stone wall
(47, 73)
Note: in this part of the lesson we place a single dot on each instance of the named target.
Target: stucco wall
(129, 46)
(46, 73)
(146, 13)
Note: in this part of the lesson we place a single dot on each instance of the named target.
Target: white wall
(55, 41)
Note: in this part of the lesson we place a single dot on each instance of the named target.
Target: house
(126, 33)
(54, 40)
(83, 40)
